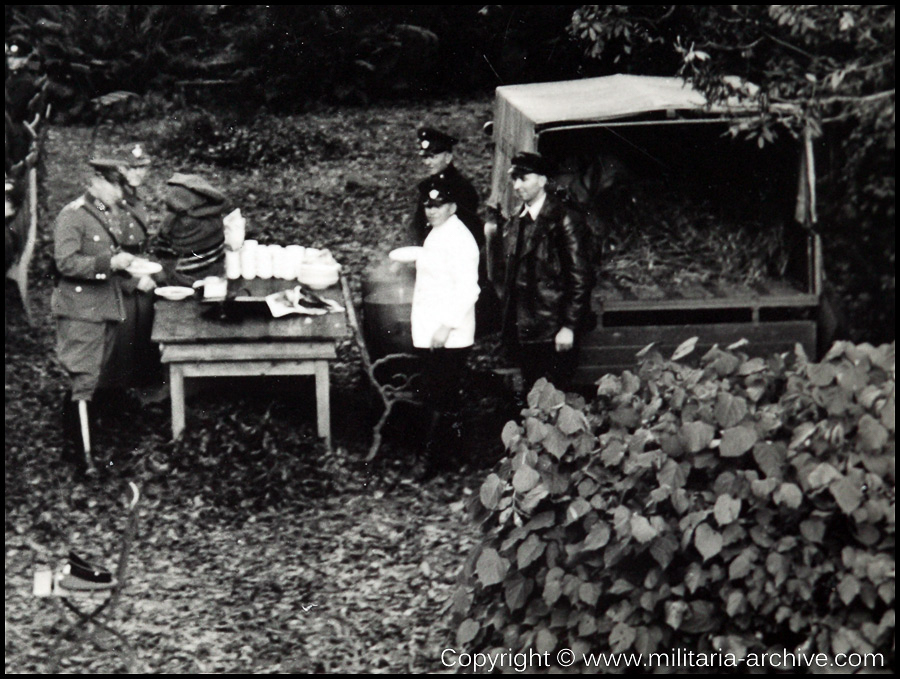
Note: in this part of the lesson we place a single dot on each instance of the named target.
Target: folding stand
(84, 621)
(398, 388)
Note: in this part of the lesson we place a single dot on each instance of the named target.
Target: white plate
(143, 267)
(408, 254)
(174, 292)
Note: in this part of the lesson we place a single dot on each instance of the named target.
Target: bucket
(387, 303)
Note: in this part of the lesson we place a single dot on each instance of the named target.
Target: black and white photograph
(452, 339)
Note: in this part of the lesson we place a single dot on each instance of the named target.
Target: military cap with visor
(437, 192)
(432, 141)
(130, 157)
(530, 163)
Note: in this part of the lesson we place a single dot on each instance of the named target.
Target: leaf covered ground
(258, 550)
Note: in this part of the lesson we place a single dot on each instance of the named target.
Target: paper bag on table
(235, 229)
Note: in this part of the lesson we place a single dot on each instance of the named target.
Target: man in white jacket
(443, 318)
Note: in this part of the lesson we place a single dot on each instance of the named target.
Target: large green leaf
(525, 479)
(770, 458)
(545, 641)
(788, 495)
(556, 443)
(516, 591)
(510, 433)
(730, 410)
(737, 441)
(871, 434)
(741, 566)
(822, 475)
(696, 436)
(529, 550)
(707, 541)
(613, 453)
(727, 509)
(533, 498)
(589, 593)
(847, 494)
(641, 529)
(621, 638)
(467, 631)
(598, 537)
(570, 421)
(577, 508)
(821, 374)
(491, 567)
(491, 491)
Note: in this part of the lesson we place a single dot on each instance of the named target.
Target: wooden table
(193, 343)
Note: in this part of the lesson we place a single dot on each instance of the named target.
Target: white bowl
(174, 292)
(319, 276)
(143, 267)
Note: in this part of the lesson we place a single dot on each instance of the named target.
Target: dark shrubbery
(745, 505)
(226, 141)
(291, 56)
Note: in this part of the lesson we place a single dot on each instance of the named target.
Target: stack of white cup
(248, 259)
(282, 266)
(296, 254)
(264, 268)
(233, 264)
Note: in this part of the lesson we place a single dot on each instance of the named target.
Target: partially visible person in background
(436, 150)
(191, 240)
(103, 312)
(443, 321)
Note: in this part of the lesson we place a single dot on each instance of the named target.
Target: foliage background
(836, 62)
(343, 183)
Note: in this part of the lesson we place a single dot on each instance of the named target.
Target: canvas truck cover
(521, 112)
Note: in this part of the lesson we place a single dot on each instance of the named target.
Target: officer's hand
(490, 229)
(120, 261)
(146, 284)
(565, 339)
(439, 340)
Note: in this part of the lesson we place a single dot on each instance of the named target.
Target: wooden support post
(176, 385)
(323, 404)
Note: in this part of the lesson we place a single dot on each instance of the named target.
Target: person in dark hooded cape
(191, 241)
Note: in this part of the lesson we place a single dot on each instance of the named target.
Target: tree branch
(730, 48)
(789, 45)
(855, 100)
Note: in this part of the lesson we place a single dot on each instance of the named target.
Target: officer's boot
(85, 428)
(433, 449)
(72, 445)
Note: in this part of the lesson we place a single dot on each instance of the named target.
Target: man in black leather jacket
(540, 257)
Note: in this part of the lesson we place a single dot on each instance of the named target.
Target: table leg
(323, 405)
(176, 386)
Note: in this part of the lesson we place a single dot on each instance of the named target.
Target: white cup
(264, 268)
(248, 259)
(296, 254)
(233, 264)
(281, 263)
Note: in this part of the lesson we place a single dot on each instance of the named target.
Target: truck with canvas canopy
(697, 231)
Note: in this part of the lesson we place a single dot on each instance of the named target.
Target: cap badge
(434, 193)
(425, 144)
(137, 151)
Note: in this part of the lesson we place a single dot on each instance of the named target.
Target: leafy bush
(742, 505)
(92, 50)
(202, 136)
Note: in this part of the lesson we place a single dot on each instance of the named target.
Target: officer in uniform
(98, 306)
(436, 149)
